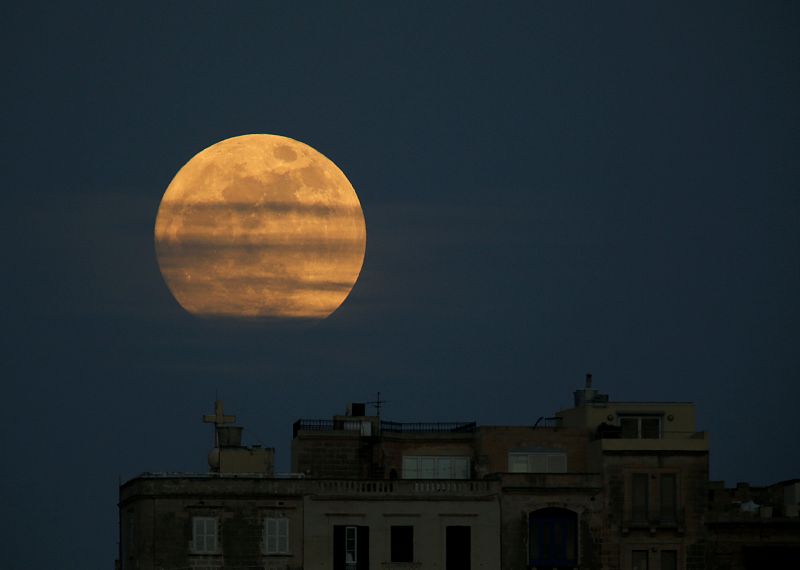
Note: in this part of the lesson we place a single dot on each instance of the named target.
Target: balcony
(653, 522)
(669, 441)
(404, 488)
(555, 482)
(185, 484)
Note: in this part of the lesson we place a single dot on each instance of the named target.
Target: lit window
(435, 467)
(543, 461)
(640, 427)
(204, 534)
(276, 535)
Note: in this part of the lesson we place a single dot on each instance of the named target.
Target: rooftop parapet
(357, 426)
(220, 485)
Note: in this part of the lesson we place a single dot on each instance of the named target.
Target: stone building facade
(601, 485)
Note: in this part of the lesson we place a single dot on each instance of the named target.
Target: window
(276, 535)
(458, 548)
(435, 467)
(640, 496)
(544, 461)
(553, 538)
(402, 543)
(640, 427)
(669, 560)
(639, 560)
(350, 545)
(653, 498)
(204, 535)
(667, 492)
(362, 426)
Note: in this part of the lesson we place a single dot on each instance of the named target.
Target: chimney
(357, 409)
(587, 395)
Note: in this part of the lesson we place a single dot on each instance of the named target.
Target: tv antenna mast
(378, 404)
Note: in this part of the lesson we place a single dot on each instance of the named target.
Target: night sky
(549, 189)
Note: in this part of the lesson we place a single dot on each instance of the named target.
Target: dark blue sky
(549, 189)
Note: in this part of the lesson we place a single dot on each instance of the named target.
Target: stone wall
(332, 455)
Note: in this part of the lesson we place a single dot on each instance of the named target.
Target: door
(553, 539)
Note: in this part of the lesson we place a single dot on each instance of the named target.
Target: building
(601, 485)
(753, 527)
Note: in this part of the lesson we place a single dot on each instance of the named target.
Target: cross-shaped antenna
(378, 403)
(218, 418)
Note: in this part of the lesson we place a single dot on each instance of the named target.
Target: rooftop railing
(354, 425)
(428, 427)
(548, 422)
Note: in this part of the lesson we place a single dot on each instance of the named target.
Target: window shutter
(537, 463)
(272, 536)
(461, 470)
(640, 490)
(338, 548)
(668, 492)
(204, 534)
(197, 535)
(427, 468)
(518, 463)
(443, 468)
(363, 548)
(211, 535)
(410, 470)
(639, 559)
(435, 467)
(669, 560)
(283, 535)
(557, 463)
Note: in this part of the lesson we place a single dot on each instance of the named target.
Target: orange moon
(260, 226)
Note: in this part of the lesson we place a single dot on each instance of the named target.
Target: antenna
(378, 404)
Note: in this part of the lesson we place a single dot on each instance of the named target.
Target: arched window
(553, 538)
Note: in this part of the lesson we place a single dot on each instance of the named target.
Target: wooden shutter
(338, 548)
(283, 535)
(363, 547)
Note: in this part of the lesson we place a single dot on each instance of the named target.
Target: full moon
(260, 226)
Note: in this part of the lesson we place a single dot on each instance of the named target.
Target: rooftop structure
(600, 485)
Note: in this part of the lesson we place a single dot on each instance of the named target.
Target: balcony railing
(386, 426)
(198, 484)
(407, 487)
(527, 481)
(646, 519)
